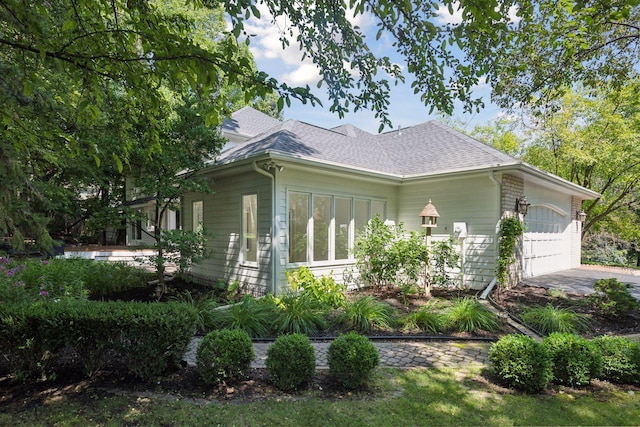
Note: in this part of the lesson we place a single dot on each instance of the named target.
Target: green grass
(399, 397)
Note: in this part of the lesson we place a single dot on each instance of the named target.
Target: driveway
(581, 280)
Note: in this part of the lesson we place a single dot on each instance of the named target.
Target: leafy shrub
(365, 314)
(425, 319)
(148, 338)
(254, 317)
(291, 361)
(101, 278)
(443, 259)
(58, 279)
(549, 319)
(352, 360)
(324, 289)
(300, 314)
(224, 355)
(468, 315)
(613, 299)
(386, 257)
(576, 360)
(605, 248)
(521, 363)
(620, 359)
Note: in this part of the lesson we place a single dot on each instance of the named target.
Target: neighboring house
(289, 193)
(140, 231)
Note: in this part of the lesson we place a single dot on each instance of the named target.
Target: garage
(546, 241)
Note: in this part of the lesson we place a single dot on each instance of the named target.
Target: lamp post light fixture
(581, 216)
(522, 205)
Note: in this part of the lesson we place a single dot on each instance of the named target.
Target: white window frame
(332, 226)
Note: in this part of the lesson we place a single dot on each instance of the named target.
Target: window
(298, 226)
(342, 225)
(321, 227)
(136, 229)
(198, 216)
(332, 222)
(541, 219)
(361, 216)
(250, 227)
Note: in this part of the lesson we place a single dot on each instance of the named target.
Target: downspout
(492, 176)
(271, 177)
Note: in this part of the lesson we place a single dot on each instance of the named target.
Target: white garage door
(546, 243)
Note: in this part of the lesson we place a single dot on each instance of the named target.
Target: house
(290, 193)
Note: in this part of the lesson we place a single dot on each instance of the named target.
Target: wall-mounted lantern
(522, 205)
(581, 216)
(429, 217)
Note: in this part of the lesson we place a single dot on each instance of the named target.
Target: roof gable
(426, 148)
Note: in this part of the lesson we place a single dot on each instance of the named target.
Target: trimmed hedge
(352, 360)
(148, 337)
(521, 363)
(225, 354)
(620, 359)
(576, 360)
(291, 361)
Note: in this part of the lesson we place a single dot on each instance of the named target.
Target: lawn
(397, 397)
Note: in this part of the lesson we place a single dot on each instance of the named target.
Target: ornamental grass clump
(521, 363)
(291, 361)
(365, 314)
(254, 317)
(224, 355)
(550, 319)
(300, 314)
(425, 319)
(576, 360)
(352, 360)
(468, 315)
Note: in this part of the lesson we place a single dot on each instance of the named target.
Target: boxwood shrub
(620, 359)
(224, 355)
(521, 363)
(291, 361)
(576, 360)
(352, 360)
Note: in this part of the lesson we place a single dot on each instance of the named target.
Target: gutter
(272, 178)
(487, 291)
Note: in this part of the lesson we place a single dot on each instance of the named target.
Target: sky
(405, 108)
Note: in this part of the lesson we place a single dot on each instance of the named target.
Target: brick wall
(512, 190)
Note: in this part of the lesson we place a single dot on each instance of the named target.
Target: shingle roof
(249, 122)
(427, 148)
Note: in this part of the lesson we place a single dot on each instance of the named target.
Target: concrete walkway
(397, 354)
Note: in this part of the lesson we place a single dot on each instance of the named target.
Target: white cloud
(444, 17)
(303, 75)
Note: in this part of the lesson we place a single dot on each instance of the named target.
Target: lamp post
(429, 217)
